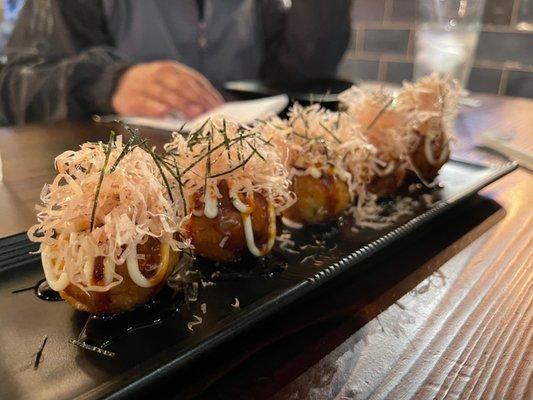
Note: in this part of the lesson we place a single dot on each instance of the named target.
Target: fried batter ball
(432, 150)
(156, 265)
(319, 200)
(387, 181)
(223, 238)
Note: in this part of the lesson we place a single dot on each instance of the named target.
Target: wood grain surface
(463, 332)
(445, 313)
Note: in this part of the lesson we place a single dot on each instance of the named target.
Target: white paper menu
(244, 112)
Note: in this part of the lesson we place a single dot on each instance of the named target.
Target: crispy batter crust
(318, 200)
(122, 297)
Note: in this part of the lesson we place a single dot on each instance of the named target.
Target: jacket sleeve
(304, 40)
(60, 63)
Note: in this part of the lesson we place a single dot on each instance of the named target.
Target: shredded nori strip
(330, 132)
(160, 168)
(24, 289)
(128, 146)
(39, 354)
(379, 114)
(101, 179)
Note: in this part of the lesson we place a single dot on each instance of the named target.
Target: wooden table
(444, 313)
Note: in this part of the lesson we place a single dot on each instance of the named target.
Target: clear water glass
(447, 33)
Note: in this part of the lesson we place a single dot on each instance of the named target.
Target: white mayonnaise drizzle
(133, 269)
(249, 233)
(237, 203)
(88, 269)
(291, 224)
(384, 172)
(430, 154)
(314, 172)
(210, 203)
(109, 270)
(136, 275)
(55, 283)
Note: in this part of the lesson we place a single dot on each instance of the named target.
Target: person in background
(9, 10)
(73, 58)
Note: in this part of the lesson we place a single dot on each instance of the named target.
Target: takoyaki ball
(319, 200)
(388, 170)
(155, 266)
(386, 181)
(223, 238)
(432, 150)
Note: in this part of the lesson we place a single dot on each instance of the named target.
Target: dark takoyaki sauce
(99, 269)
(207, 233)
(101, 330)
(103, 333)
(248, 266)
(45, 292)
(152, 257)
(197, 202)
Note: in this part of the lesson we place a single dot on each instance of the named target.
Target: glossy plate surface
(151, 342)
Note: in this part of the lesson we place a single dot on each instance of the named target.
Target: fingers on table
(203, 83)
(166, 86)
(190, 84)
(143, 104)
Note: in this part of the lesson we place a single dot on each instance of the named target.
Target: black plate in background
(143, 356)
(324, 91)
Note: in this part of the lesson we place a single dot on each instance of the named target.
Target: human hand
(157, 88)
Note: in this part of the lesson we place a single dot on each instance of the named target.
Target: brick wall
(382, 45)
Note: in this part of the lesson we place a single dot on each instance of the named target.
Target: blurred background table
(444, 313)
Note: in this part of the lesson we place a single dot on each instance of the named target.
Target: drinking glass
(447, 33)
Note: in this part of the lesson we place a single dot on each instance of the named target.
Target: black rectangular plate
(148, 353)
